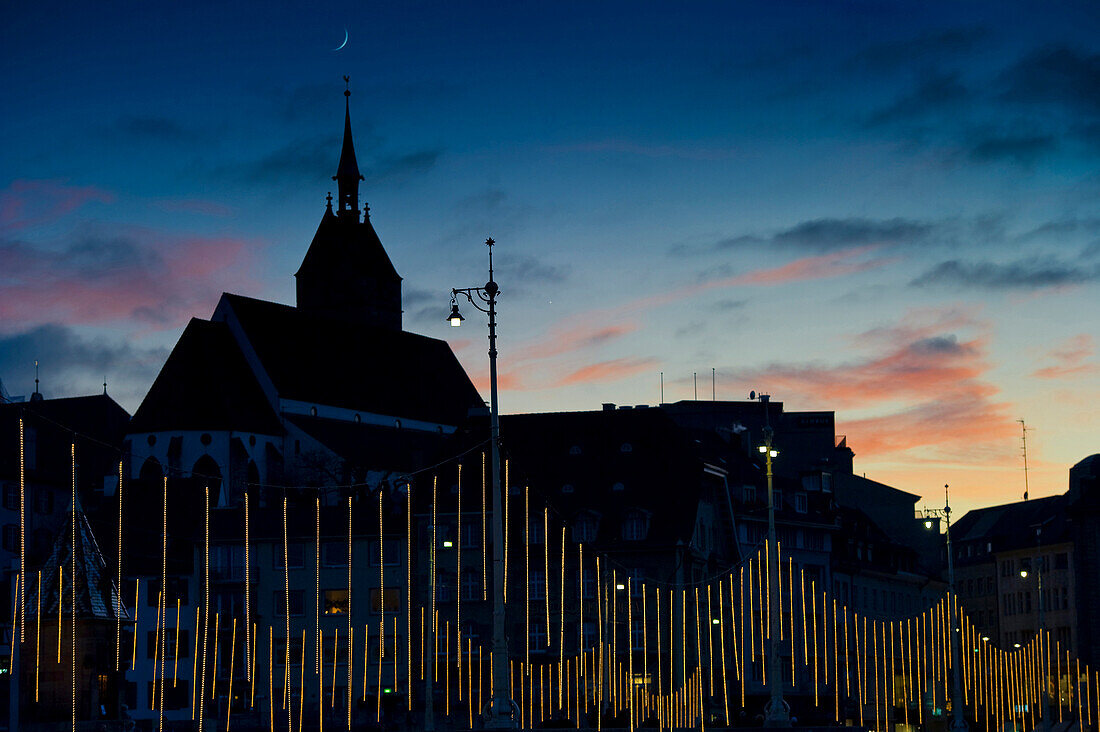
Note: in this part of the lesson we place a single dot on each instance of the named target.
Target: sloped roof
(373, 446)
(206, 384)
(343, 244)
(97, 416)
(311, 357)
(96, 594)
(1012, 525)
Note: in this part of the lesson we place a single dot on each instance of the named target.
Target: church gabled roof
(319, 359)
(206, 384)
(344, 245)
(96, 594)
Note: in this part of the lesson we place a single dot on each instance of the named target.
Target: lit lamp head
(1023, 573)
(763, 448)
(928, 523)
(774, 453)
(455, 318)
(620, 587)
(715, 621)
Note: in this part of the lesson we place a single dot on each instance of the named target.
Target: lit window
(336, 602)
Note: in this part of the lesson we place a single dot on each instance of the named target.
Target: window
(11, 496)
(636, 636)
(567, 488)
(575, 450)
(30, 448)
(295, 553)
(471, 534)
(336, 602)
(11, 537)
(591, 634)
(618, 487)
(393, 600)
(634, 526)
(43, 501)
(800, 503)
(584, 529)
(176, 696)
(777, 498)
(151, 638)
(335, 553)
(626, 447)
(393, 553)
(748, 493)
(471, 585)
(589, 588)
(1061, 560)
(297, 603)
(538, 637)
(534, 531)
(538, 585)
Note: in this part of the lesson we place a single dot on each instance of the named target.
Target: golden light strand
(21, 582)
(836, 665)
(163, 599)
(335, 656)
(133, 648)
(252, 670)
(484, 542)
(630, 647)
(813, 606)
(176, 647)
(790, 592)
(546, 568)
(301, 682)
(645, 645)
(194, 663)
(232, 656)
(15, 619)
(38, 636)
(860, 664)
(118, 566)
(381, 582)
(506, 501)
(722, 650)
(458, 585)
(270, 674)
(698, 637)
(752, 620)
(317, 581)
(527, 578)
(214, 675)
(561, 609)
(710, 645)
(742, 670)
(60, 595)
(351, 630)
(802, 606)
(660, 681)
(247, 592)
(408, 596)
(286, 607)
(874, 654)
(72, 581)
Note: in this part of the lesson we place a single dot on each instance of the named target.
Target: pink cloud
(1069, 359)
(144, 275)
(612, 370)
(26, 203)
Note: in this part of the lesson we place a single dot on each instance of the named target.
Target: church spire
(347, 172)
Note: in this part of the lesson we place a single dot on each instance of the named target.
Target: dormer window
(575, 450)
(626, 447)
(567, 488)
(618, 487)
(635, 525)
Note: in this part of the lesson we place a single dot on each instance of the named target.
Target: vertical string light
(752, 620)
(60, 599)
(232, 657)
(630, 648)
(163, 598)
(743, 669)
(660, 679)
(22, 581)
(458, 583)
(205, 600)
(351, 645)
(214, 675)
(431, 563)
(317, 580)
(484, 543)
(859, 666)
(301, 683)
(836, 665)
(710, 645)
(507, 501)
(252, 670)
(722, 650)
(408, 596)
(381, 583)
(790, 592)
(813, 611)
(133, 646)
(286, 636)
(176, 647)
(118, 565)
(72, 558)
(561, 609)
(546, 568)
(38, 637)
(270, 680)
(156, 656)
(247, 594)
(802, 607)
(527, 577)
(874, 654)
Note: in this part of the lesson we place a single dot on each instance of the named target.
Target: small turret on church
(346, 272)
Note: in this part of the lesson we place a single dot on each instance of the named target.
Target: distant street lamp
(500, 706)
(958, 722)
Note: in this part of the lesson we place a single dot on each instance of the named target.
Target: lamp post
(500, 706)
(776, 713)
(958, 722)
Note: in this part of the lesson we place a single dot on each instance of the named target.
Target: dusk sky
(886, 209)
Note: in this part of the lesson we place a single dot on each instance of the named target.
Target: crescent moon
(345, 41)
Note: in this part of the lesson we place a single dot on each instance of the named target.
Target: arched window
(635, 525)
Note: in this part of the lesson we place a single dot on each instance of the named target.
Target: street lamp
(500, 706)
(776, 713)
(958, 722)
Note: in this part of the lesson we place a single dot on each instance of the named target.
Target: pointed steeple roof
(347, 171)
(96, 594)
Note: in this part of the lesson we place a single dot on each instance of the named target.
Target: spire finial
(104, 384)
(347, 171)
(328, 202)
(36, 376)
(366, 211)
